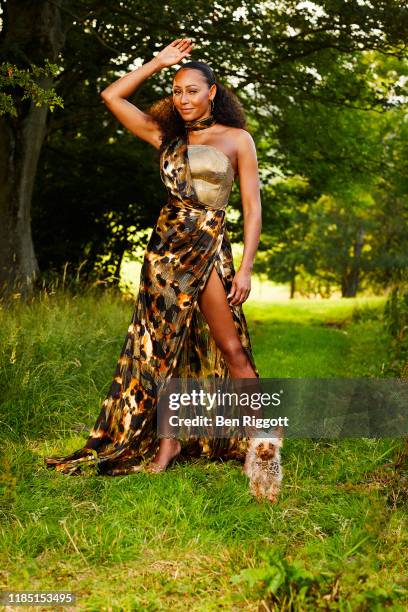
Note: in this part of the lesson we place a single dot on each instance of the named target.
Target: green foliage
(319, 246)
(396, 322)
(349, 229)
(29, 81)
(289, 585)
(396, 313)
(103, 210)
(283, 249)
(367, 312)
(8, 483)
(376, 598)
(282, 579)
(316, 82)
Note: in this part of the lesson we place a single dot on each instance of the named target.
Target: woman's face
(191, 94)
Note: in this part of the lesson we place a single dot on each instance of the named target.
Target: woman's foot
(169, 448)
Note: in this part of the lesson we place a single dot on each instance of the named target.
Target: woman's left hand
(241, 288)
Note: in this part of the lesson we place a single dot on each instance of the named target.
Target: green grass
(336, 539)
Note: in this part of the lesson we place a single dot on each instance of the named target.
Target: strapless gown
(167, 335)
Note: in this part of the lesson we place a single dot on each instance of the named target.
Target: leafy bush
(284, 585)
(396, 321)
(365, 312)
(280, 581)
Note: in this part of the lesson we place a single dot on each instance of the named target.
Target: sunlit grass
(175, 540)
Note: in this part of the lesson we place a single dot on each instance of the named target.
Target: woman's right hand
(138, 122)
(174, 52)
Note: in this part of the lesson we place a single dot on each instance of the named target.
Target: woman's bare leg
(214, 305)
(216, 310)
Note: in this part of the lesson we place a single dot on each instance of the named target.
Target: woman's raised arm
(114, 96)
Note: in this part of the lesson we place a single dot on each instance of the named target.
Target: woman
(188, 319)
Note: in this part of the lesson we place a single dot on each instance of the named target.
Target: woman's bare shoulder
(241, 136)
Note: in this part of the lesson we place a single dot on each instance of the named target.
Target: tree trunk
(32, 31)
(293, 273)
(351, 278)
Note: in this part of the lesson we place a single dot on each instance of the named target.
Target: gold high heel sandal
(154, 467)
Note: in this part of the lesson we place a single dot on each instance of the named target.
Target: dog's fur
(263, 467)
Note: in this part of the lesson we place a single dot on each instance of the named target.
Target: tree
(341, 241)
(31, 32)
(355, 163)
(283, 247)
(274, 55)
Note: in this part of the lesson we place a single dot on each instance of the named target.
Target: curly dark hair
(228, 109)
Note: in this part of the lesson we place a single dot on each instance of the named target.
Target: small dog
(263, 467)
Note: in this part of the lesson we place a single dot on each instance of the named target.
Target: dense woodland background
(325, 88)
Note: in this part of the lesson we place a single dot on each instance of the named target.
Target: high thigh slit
(217, 311)
(168, 334)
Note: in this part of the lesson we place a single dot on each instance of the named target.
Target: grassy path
(180, 539)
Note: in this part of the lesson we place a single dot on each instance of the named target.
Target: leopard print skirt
(167, 335)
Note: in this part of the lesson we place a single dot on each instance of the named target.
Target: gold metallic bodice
(212, 174)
